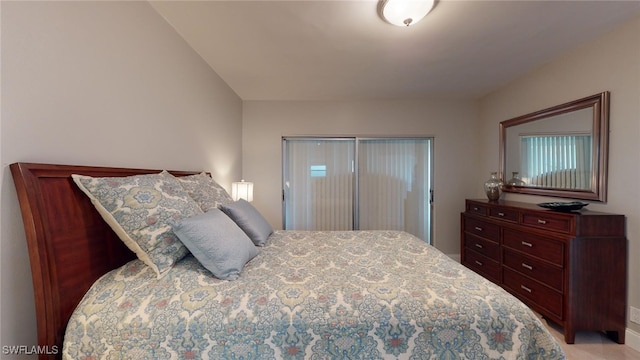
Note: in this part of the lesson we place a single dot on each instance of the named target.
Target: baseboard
(632, 339)
(455, 257)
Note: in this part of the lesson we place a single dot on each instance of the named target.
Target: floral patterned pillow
(141, 209)
(205, 191)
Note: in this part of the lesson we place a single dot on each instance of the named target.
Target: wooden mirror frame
(600, 143)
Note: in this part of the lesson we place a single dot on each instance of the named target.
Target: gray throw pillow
(217, 242)
(250, 220)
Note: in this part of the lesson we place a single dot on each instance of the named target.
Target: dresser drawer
(483, 265)
(478, 209)
(485, 247)
(534, 245)
(504, 214)
(537, 269)
(549, 221)
(533, 291)
(483, 229)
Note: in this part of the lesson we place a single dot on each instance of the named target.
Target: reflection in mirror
(552, 152)
(560, 151)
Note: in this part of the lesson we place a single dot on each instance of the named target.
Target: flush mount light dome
(405, 12)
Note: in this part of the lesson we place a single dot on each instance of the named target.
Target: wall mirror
(560, 151)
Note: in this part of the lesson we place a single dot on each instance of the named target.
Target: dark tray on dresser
(569, 266)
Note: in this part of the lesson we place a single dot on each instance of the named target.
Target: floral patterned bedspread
(309, 295)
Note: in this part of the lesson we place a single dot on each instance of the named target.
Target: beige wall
(611, 63)
(100, 83)
(453, 123)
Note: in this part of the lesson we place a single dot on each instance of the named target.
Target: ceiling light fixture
(405, 12)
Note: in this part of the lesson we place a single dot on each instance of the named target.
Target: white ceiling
(342, 50)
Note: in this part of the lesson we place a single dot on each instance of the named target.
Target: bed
(303, 295)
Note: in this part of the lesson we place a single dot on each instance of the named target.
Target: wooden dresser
(569, 266)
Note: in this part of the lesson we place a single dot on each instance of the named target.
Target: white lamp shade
(242, 190)
(405, 12)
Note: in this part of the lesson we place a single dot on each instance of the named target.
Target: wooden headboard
(70, 245)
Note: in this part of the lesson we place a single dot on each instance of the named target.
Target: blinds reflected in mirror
(558, 161)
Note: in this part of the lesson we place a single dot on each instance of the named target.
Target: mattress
(309, 295)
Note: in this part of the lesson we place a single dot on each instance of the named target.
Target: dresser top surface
(534, 207)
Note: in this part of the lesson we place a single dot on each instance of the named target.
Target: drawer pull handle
(475, 209)
(478, 262)
(478, 228)
(500, 214)
(527, 244)
(540, 221)
(525, 288)
(527, 266)
(479, 246)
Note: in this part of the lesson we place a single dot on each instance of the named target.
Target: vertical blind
(394, 184)
(318, 185)
(562, 161)
(390, 179)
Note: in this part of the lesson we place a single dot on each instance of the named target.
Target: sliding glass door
(318, 184)
(358, 183)
(394, 183)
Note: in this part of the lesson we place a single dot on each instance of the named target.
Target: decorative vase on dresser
(493, 187)
(571, 267)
